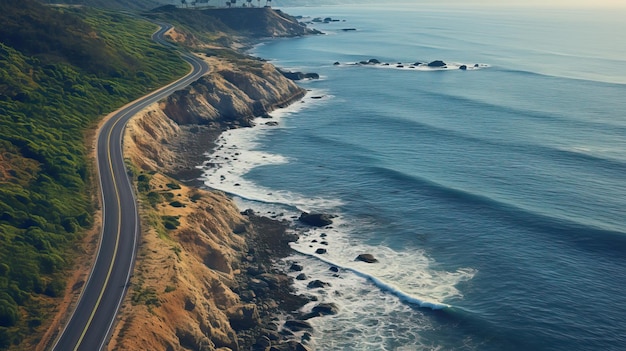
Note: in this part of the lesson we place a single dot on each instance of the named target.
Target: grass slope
(61, 70)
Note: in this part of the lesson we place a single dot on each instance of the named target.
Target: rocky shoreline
(260, 282)
(172, 138)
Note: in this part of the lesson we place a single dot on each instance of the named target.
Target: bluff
(202, 276)
(228, 27)
(232, 94)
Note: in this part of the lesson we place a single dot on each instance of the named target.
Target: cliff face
(181, 295)
(240, 22)
(259, 22)
(195, 244)
(232, 95)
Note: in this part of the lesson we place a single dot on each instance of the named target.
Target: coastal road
(91, 322)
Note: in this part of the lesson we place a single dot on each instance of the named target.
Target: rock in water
(322, 309)
(296, 267)
(311, 76)
(369, 258)
(317, 284)
(325, 308)
(316, 219)
(437, 63)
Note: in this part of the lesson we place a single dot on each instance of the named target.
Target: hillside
(61, 70)
(230, 27)
(124, 5)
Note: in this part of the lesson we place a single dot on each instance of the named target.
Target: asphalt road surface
(91, 322)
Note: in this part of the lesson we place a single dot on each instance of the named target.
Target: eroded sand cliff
(191, 288)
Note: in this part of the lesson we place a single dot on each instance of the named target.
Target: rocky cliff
(232, 94)
(203, 270)
(229, 27)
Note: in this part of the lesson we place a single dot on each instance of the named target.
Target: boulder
(263, 342)
(374, 61)
(463, 67)
(248, 212)
(301, 276)
(334, 269)
(311, 76)
(297, 325)
(292, 75)
(336, 63)
(325, 308)
(316, 219)
(437, 63)
(259, 287)
(296, 267)
(320, 251)
(317, 284)
(243, 316)
(273, 280)
(322, 309)
(368, 258)
(290, 345)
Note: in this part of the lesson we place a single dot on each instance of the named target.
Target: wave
(585, 235)
(383, 285)
(541, 116)
(554, 154)
(553, 76)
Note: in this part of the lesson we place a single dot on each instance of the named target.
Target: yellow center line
(117, 239)
(119, 207)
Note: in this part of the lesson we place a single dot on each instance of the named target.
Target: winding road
(91, 322)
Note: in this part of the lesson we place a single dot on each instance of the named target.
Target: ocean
(493, 197)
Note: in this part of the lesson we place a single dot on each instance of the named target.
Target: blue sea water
(493, 198)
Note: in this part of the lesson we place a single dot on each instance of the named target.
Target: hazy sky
(504, 3)
(534, 3)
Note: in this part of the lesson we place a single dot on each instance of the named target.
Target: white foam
(450, 66)
(378, 302)
(235, 155)
(406, 274)
(368, 318)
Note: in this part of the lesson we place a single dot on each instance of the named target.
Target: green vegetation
(146, 296)
(173, 186)
(177, 204)
(195, 197)
(61, 70)
(170, 222)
